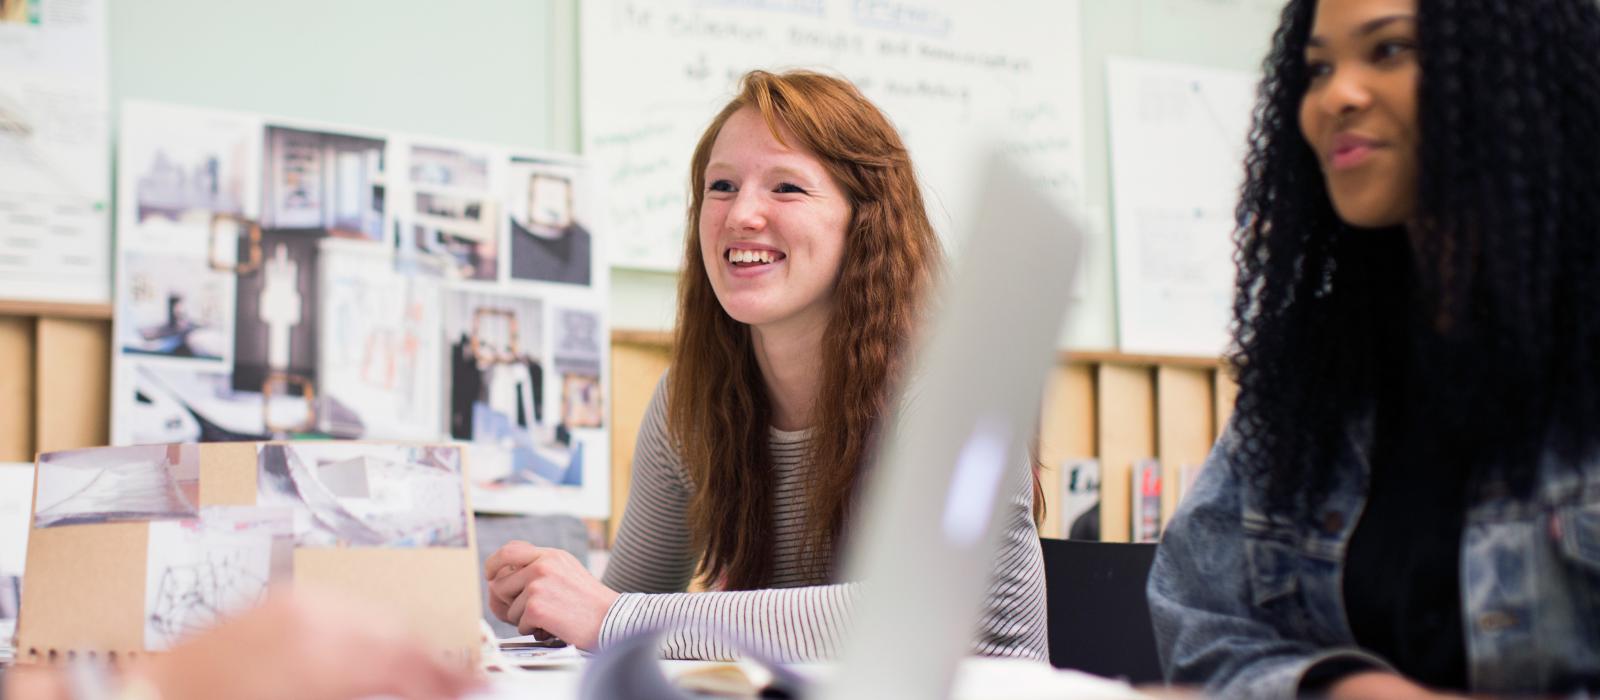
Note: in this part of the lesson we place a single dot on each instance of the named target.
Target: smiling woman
(1406, 500)
(1359, 113)
(772, 231)
(809, 255)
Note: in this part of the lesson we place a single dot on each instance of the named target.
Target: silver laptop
(957, 449)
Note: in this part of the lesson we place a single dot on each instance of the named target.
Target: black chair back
(1099, 619)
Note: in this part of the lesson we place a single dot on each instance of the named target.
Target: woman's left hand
(548, 589)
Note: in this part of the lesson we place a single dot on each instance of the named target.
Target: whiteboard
(1178, 137)
(950, 74)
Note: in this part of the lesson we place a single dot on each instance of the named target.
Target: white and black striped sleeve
(652, 553)
(1014, 621)
(784, 624)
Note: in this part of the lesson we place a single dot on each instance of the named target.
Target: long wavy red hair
(718, 411)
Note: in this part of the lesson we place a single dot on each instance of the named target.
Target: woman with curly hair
(1407, 501)
(809, 255)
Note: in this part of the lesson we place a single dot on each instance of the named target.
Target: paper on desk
(543, 685)
(16, 500)
(985, 678)
(524, 639)
(1020, 679)
(8, 630)
(539, 657)
(976, 679)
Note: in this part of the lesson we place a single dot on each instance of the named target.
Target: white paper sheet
(1177, 152)
(199, 570)
(55, 154)
(16, 498)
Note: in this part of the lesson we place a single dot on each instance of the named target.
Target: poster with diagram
(55, 151)
(1178, 142)
(283, 279)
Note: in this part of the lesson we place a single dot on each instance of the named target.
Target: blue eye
(787, 188)
(720, 186)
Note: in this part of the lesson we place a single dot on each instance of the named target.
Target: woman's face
(772, 226)
(1359, 112)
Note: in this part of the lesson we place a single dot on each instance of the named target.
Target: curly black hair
(1494, 289)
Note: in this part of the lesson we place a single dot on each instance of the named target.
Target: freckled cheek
(712, 216)
(711, 219)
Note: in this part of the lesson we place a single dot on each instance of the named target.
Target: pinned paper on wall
(55, 152)
(507, 390)
(1178, 138)
(453, 228)
(380, 355)
(551, 239)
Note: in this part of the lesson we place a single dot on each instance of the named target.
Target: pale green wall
(470, 69)
(504, 71)
(1231, 34)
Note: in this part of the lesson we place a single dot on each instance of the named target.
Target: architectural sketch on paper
(190, 598)
(200, 570)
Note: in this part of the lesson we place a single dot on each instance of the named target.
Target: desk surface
(976, 679)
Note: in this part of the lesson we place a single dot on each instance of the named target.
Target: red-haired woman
(809, 253)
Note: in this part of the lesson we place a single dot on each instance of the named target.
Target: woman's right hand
(505, 561)
(547, 591)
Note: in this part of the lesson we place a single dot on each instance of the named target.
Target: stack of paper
(8, 629)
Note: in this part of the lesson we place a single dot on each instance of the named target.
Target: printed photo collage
(281, 279)
(203, 562)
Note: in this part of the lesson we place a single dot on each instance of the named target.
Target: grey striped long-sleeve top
(803, 615)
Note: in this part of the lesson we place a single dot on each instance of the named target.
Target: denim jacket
(1246, 603)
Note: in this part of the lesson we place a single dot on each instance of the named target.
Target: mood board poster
(280, 279)
(206, 531)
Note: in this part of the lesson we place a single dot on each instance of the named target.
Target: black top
(1402, 579)
(564, 258)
